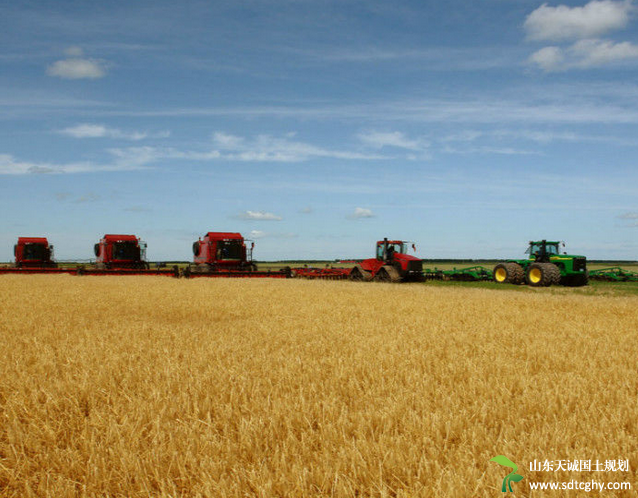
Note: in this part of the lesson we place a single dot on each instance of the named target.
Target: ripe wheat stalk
(138, 386)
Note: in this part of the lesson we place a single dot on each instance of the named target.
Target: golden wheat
(138, 386)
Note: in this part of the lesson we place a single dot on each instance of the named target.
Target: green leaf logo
(512, 476)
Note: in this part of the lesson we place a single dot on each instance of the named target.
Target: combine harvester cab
(123, 255)
(224, 254)
(34, 255)
(392, 264)
(120, 252)
(546, 266)
(33, 252)
(222, 251)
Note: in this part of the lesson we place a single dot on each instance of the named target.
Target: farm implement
(614, 274)
(469, 274)
(321, 273)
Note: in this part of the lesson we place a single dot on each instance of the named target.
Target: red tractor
(392, 264)
(120, 251)
(33, 252)
(222, 251)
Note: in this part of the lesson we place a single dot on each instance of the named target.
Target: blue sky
(318, 127)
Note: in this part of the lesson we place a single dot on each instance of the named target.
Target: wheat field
(151, 386)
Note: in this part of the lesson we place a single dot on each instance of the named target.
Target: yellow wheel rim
(500, 275)
(535, 275)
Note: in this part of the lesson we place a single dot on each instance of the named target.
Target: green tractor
(545, 266)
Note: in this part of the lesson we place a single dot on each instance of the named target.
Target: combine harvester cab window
(126, 250)
(229, 249)
(35, 251)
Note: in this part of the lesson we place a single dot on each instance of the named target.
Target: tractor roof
(223, 235)
(116, 238)
(547, 242)
(391, 242)
(33, 240)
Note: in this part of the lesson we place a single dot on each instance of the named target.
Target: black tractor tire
(358, 274)
(508, 273)
(387, 274)
(542, 274)
(555, 272)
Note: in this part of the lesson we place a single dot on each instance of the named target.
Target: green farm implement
(545, 266)
(469, 274)
(614, 274)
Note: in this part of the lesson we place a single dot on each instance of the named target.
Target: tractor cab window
(392, 248)
(229, 249)
(126, 250)
(535, 249)
(35, 251)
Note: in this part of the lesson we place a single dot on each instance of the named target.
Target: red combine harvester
(224, 254)
(33, 252)
(123, 255)
(392, 264)
(120, 251)
(34, 255)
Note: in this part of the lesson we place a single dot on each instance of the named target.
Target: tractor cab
(541, 251)
(386, 249)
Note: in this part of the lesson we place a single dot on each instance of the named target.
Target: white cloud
(76, 68)
(259, 216)
(584, 54)
(573, 23)
(227, 141)
(125, 160)
(548, 58)
(592, 53)
(396, 139)
(506, 151)
(361, 213)
(88, 130)
(463, 136)
(562, 105)
(265, 148)
(260, 234)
